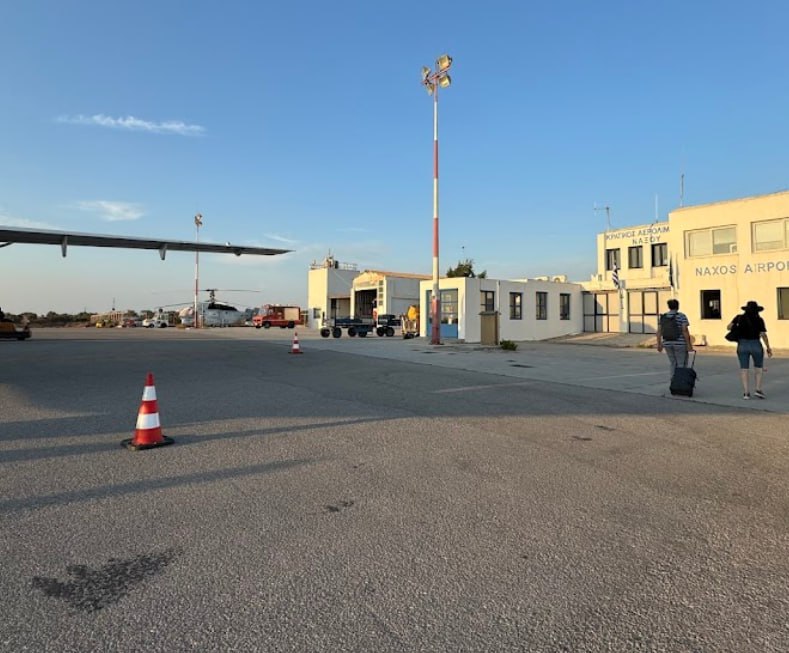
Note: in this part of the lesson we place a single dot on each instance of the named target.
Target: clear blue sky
(303, 125)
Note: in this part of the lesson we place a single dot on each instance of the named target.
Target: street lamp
(432, 81)
(198, 224)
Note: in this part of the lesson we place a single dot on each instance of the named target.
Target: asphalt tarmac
(386, 495)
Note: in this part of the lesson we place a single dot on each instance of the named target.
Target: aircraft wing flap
(64, 239)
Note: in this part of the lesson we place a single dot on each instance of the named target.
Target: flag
(615, 277)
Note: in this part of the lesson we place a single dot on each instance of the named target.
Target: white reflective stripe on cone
(149, 421)
(149, 394)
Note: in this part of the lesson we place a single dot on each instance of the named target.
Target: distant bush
(508, 345)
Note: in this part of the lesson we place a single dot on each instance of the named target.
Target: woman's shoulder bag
(734, 333)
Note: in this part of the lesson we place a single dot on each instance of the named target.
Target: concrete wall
(528, 327)
(325, 284)
(644, 236)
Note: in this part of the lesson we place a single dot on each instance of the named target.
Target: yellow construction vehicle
(410, 322)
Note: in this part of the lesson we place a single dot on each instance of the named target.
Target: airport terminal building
(713, 258)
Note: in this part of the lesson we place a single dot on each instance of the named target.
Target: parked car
(130, 322)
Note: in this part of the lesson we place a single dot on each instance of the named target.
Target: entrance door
(643, 311)
(596, 312)
(449, 313)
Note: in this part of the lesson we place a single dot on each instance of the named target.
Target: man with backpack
(674, 337)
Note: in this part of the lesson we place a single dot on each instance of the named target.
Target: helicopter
(213, 312)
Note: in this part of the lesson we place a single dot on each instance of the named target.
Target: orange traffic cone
(295, 349)
(148, 433)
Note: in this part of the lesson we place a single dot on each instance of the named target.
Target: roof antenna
(682, 189)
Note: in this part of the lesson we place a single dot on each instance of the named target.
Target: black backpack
(669, 327)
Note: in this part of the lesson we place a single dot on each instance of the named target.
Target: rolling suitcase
(684, 379)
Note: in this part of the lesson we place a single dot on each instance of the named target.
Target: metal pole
(435, 311)
(198, 222)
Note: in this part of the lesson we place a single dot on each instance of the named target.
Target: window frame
(541, 305)
(784, 235)
(782, 305)
(663, 249)
(706, 298)
(639, 249)
(516, 305)
(732, 245)
(564, 303)
(488, 299)
(612, 257)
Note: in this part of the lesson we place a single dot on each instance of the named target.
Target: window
(659, 255)
(710, 304)
(542, 305)
(516, 306)
(611, 259)
(488, 300)
(635, 257)
(783, 303)
(564, 305)
(711, 242)
(316, 313)
(449, 307)
(773, 234)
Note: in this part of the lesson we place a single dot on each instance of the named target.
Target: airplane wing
(9, 236)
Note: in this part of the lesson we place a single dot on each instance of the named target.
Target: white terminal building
(713, 258)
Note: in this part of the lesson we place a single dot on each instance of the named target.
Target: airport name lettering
(644, 236)
(769, 266)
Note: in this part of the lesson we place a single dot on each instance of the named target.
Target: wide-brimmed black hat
(752, 306)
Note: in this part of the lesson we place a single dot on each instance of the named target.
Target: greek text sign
(642, 236)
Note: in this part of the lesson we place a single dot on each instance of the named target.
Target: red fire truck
(277, 315)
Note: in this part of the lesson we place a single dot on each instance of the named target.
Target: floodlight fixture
(444, 81)
(444, 62)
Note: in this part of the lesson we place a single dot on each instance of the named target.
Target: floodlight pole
(435, 304)
(198, 224)
(433, 80)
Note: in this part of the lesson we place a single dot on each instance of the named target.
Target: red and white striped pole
(435, 303)
(433, 80)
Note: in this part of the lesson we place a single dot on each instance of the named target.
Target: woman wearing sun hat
(751, 331)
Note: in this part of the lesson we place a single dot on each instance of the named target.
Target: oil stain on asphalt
(341, 506)
(90, 590)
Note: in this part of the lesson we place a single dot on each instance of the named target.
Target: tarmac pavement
(621, 362)
(386, 495)
(611, 361)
